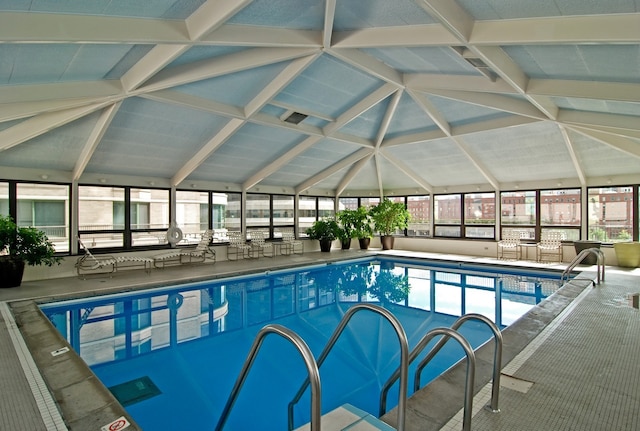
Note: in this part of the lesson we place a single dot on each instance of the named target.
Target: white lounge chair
(107, 264)
(202, 252)
(291, 245)
(509, 245)
(550, 247)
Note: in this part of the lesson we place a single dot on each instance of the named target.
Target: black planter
(591, 259)
(346, 244)
(364, 243)
(325, 245)
(11, 271)
(387, 242)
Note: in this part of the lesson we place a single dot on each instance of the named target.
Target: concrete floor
(569, 364)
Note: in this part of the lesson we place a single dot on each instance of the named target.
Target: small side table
(526, 246)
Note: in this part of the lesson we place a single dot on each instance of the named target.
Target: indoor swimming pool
(172, 354)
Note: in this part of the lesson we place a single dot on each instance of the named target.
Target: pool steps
(348, 417)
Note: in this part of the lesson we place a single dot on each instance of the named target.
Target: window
(447, 215)
(226, 211)
(307, 214)
(560, 211)
(4, 198)
(149, 216)
(192, 214)
(283, 207)
(420, 209)
(479, 215)
(611, 214)
(46, 207)
(101, 216)
(518, 212)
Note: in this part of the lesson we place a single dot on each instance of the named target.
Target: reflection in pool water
(190, 341)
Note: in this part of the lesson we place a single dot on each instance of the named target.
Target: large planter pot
(346, 244)
(627, 254)
(591, 259)
(364, 243)
(387, 242)
(325, 245)
(11, 271)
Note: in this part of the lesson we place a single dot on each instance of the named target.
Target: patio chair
(238, 247)
(550, 247)
(509, 245)
(291, 245)
(107, 264)
(202, 252)
(259, 246)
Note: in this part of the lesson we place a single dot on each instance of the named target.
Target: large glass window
(101, 216)
(46, 207)
(149, 216)
(420, 209)
(4, 198)
(447, 215)
(518, 212)
(560, 211)
(192, 214)
(283, 207)
(326, 207)
(611, 214)
(229, 204)
(479, 215)
(307, 214)
(258, 212)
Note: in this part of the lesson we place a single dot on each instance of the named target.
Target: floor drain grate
(515, 384)
(134, 391)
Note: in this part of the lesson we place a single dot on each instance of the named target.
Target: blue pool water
(191, 340)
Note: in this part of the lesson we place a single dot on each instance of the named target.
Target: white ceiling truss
(417, 97)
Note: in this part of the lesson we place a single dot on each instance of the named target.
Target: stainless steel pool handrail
(312, 370)
(471, 370)
(404, 358)
(580, 257)
(497, 356)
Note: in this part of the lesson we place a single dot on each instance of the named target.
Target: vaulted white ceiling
(400, 97)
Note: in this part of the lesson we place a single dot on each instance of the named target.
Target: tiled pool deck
(570, 364)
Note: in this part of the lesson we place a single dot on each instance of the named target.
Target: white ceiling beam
(211, 14)
(598, 90)
(269, 120)
(378, 163)
(281, 161)
(427, 82)
(94, 139)
(622, 144)
(561, 30)
(329, 16)
(368, 64)
(431, 111)
(223, 65)
(493, 124)
(206, 18)
(587, 119)
(194, 102)
(408, 171)
(15, 111)
(415, 138)
(573, 155)
(498, 102)
(59, 91)
(257, 36)
(388, 115)
(501, 64)
(351, 174)
(40, 124)
(351, 139)
(293, 108)
(87, 29)
(402, 36)
(205, 152)
(359, 108)
(625, 133)
(336, 167)
(477, 163)
(284, 78)
(455, 18)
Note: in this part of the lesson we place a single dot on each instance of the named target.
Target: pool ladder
(401, 373)
(579, 258)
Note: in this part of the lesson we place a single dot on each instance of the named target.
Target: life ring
(174, 301)
(174, 235)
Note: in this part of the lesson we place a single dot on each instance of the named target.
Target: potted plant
(389, 216)
(20, 246)
(346, 219)
(362, 227)
(325, 231)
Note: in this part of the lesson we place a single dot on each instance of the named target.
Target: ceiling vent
(295, 117)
